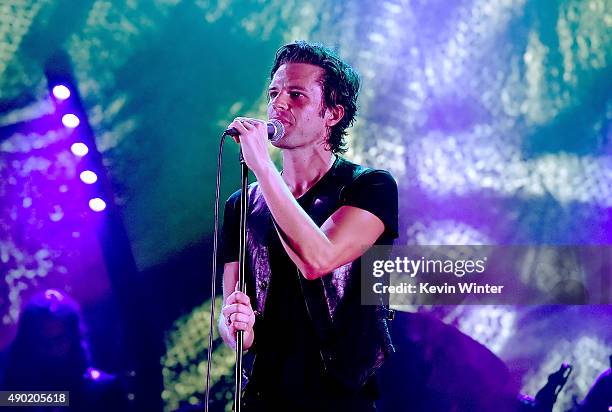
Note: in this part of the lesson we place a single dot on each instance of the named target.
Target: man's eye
(295, 94)
(272, 94)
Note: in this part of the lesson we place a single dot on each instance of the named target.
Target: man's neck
(304, 167)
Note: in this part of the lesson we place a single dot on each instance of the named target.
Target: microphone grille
(279, 130)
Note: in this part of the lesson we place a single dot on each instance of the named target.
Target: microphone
(276, 131)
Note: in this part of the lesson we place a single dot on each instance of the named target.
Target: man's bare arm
(317, 251)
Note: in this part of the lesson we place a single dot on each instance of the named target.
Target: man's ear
(334, 115)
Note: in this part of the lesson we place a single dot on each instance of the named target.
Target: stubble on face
(300, 105)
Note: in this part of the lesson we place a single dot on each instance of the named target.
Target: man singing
(315, 347)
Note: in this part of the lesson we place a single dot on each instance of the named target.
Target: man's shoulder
(354, 171)
(235, 197)
(346, 166)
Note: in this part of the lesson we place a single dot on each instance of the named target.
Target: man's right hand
(238, 315)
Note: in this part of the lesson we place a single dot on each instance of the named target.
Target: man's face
(295, 98)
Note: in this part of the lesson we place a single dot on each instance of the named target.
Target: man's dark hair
(340, 84)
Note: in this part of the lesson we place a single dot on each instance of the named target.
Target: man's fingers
(238, 125)
(236, 308)
(240, 318)
(249, 120)
(253, 124)
(244, 124)
(238, 297)
(235, 326)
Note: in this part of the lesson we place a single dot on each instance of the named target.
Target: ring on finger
(228, 320)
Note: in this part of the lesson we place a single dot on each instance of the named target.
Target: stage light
(96, 204)
(61, 92)
(95, 374)
(89, 177)
(79, 149)
(70, 120)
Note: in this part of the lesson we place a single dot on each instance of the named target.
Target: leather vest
(354, 339)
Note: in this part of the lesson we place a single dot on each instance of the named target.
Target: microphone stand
(244, 177)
